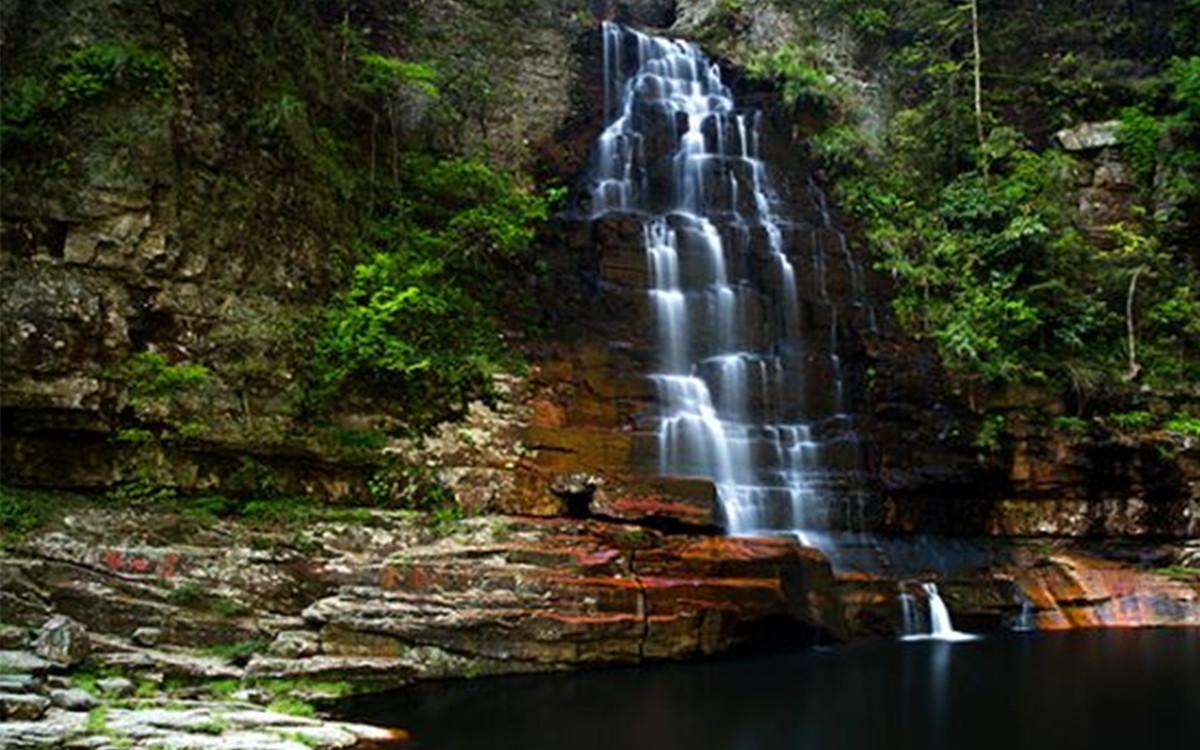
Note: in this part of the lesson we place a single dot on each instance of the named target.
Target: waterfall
(737, 361)
(939, 628)
(1024, 622)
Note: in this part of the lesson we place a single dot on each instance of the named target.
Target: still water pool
(1106, 689)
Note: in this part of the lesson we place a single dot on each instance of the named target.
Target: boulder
(63, 641)
(118, 686)
(22, 662)
(147, 636)
(18, 683)
(294, 644)
(1089, 136)
(73, 699)
(22, 706)
(13, 637)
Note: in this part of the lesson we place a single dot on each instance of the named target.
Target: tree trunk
(1134, 368)
(978, 80)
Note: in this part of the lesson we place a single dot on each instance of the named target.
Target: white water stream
(733, 355)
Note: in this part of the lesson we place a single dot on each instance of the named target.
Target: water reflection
(1078, 690)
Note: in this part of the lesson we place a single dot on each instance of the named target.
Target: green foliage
(1140, 134)
(31, 105)
(151, 377)
(23, 511)
(803, 83)
(1185, 573)
(135, 436)
(635, 539)
(1183, 425)
(227, 607)
(385, 74)
(142, 493)
(212, 726)
(991, 433)
(292, 706)
(1132, 420)
(983, 240)
(97, 721)
(408, 487)
(360, 440)
(256, 479)
(417, 321)
(186, 594)
(1066, 423)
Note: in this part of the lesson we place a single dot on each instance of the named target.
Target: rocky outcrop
(385, 600)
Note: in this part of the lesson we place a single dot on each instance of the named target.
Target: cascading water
(736, 342)
(940, 627)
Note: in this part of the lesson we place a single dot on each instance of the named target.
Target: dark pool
(1113, 689)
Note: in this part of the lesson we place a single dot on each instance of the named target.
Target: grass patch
(213, 727)
(292, 706)
(1186, 573)
(97, 721)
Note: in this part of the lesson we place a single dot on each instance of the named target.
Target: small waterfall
(910, 618)
(936, 626)
(735, 345)
(1024, 622)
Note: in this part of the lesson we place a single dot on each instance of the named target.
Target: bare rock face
(63, 641)
(1089, 136)
(20, 707)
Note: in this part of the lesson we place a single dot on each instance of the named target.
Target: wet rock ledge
(357, 600)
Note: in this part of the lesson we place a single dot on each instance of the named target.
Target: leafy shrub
(417, 321)
(151, 376)
(803, 83)
(1140, 133)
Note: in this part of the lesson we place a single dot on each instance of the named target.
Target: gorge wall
(184, 237)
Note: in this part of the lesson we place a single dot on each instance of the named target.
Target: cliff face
(172, 225)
